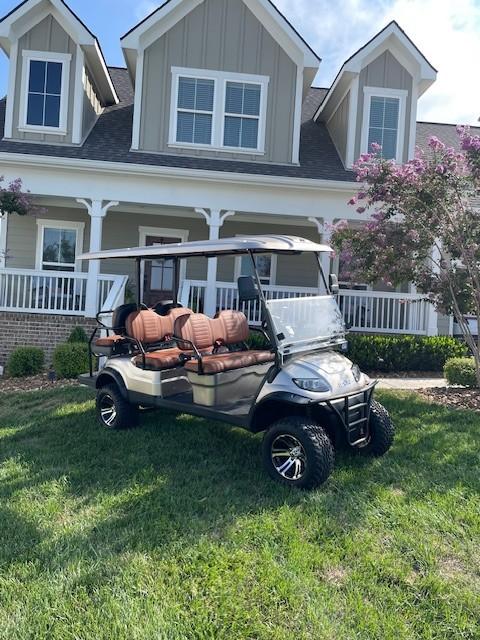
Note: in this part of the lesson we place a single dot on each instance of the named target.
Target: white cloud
(145, 8)
(448, 33)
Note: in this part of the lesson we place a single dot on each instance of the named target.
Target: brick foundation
(37, 330)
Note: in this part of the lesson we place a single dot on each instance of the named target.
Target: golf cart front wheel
(382, 432)
(298, 453)
(113, 411)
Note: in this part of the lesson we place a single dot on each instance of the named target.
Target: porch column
(3, 239)
(215, 220)
(97, 212)
(324, 229)
(432, 320)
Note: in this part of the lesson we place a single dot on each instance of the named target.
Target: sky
(446, 31)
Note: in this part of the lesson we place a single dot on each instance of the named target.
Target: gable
(221, 36)
(173, 11)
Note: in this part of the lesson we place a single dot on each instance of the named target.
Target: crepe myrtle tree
(422, 227)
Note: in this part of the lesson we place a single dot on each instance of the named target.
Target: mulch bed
(453, 397)
(33, 383)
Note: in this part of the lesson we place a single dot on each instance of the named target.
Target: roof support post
(324, 229)
(97, 212)
(215, 219)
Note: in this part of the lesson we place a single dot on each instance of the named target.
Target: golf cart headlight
(357, 374)
(319, 385)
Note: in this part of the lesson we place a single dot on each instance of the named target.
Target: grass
(172, 531)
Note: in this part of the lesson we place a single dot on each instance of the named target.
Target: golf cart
(296, 386)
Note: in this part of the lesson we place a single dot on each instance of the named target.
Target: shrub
(461, 371)
(403, 353)
(71, 359)
(25, 361)
(257, 340)
(78, 335)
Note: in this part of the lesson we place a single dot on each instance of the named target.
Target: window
(384, 121)
(58, 245)
(242, 115)
(44, 99)
(218, 110)
(266, 267)
(195, 110)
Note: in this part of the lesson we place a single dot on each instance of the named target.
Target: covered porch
(40, 273)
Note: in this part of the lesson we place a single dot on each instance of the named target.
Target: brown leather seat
(109, 341)
(161, 360)
(150, 329)
(227, 329)
(218, 363)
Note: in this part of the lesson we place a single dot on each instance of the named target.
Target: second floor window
(384, 121)
(44, 100)
(218, 110)
(383, 125)
(242, 115)
(44, 93)
(195, 110)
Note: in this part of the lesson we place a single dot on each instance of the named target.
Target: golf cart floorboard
(235, 412)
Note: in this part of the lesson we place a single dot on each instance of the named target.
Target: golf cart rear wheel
(113, 411)
(382, 432)
(297, 452)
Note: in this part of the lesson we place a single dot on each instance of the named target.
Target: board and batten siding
(49, 36)
(338, 127)
(385, 72)
(219, 35)
(91, 104)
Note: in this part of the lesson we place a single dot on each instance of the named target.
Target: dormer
(58, 82)
(374, 98)
(219, 79)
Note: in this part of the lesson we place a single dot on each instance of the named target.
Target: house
(212, 129)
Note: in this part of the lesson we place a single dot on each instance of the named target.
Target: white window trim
(220, 79)
(43, 224)
(162, 232)
(381, 92)
(45, 56)
(273, 269)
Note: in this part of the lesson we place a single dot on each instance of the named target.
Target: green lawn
(172, 531)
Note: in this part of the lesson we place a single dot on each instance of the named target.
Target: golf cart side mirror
(247, 290)
(333, 284)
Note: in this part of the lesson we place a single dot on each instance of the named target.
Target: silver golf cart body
(306, 373)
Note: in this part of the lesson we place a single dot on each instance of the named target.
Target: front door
(159, 274)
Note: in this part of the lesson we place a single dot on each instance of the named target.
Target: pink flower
(353, 201)
(361, 210)
(375, 147)
(436, 144)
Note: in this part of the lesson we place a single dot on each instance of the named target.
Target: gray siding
(47, 35)
(219, 35)
(338, 127)
(91, 104)
(388, 73)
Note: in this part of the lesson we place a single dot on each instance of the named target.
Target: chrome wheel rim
(108, 411)
(289, 457)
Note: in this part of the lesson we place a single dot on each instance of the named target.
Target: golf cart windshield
(303, 324)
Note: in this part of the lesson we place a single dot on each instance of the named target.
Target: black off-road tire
(113, 411)
(316, 445)
(382, 432)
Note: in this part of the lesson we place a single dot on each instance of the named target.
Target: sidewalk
(411, 384)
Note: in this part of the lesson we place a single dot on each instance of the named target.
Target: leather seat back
(229, 327)
(148, 327)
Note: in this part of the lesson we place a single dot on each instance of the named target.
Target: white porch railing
(56, 292)
(365, 311)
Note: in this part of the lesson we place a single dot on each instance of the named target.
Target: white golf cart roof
(212, 248)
